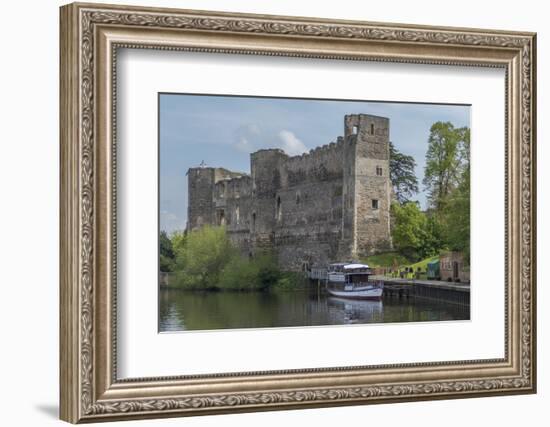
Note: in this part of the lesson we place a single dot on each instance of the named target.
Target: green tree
(203, 256)
(166, 252)
(432, 240)
(408, 228)
(457, 217)
(403, 178)
(415, 234)
(447, 178)
(445, 158)
(178, 241)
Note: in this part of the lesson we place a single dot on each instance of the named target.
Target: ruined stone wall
(233, 201)
(204, 186)
(310, 209)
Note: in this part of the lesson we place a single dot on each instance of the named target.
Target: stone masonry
(331, 204)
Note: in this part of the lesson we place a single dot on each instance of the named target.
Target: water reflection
(181, 310)
(355, 311)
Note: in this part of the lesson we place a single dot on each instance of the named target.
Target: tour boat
(351, 280)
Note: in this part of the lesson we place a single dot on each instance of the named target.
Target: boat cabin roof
(350, 268)
(355, 266)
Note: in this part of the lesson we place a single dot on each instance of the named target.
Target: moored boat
(351, 280)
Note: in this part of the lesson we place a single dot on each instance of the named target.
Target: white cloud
(243, 144)
(251, 137)
(247, 138)
(291, 144)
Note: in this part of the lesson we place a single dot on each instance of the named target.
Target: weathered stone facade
(331, 204)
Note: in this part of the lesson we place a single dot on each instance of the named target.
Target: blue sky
(223, 130)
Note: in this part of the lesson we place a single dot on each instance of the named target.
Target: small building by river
(453, 268)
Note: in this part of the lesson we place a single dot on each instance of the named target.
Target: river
(188, 310)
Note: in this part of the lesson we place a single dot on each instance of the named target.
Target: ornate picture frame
(90, 37)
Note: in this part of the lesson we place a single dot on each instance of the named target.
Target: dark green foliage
(290, 281)
(457, 218)
(166, 253)
(403, 178)
(166, 264)
(206, 259)
(241, 273)
(165, 245)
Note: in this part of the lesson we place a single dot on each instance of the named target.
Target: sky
(222, 131)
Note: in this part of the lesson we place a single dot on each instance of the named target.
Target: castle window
(297, 197)
(237, 216)
(254, 221)
(221, 217)
(375, 203)
(355, 130)
(279, 212)
(379, 170)
(372, 129)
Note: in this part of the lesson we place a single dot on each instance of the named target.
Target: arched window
(297, 197)
(237, 215)
(279, 210)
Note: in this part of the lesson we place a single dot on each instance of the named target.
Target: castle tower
(200, 188)
(367, 185)
(206, 196)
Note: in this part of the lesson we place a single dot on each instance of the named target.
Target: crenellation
(313, 208)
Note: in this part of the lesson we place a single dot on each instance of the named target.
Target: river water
(188, 310)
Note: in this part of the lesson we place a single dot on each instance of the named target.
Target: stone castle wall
(310, 209)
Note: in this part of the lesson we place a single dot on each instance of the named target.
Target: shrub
(291, 281)
(205, 259)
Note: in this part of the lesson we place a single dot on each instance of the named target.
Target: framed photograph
(267, 212)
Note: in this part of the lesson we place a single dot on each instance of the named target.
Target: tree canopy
(403, 178)
(448, 152)
(166, 252)
(414, 234)
(445, 225)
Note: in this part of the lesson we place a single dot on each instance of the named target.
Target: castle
(331, 204)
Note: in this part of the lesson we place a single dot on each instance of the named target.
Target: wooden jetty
(450, 292)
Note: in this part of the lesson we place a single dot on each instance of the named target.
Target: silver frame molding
(90, 37)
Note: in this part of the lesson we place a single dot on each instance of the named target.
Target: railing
(317, 274)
